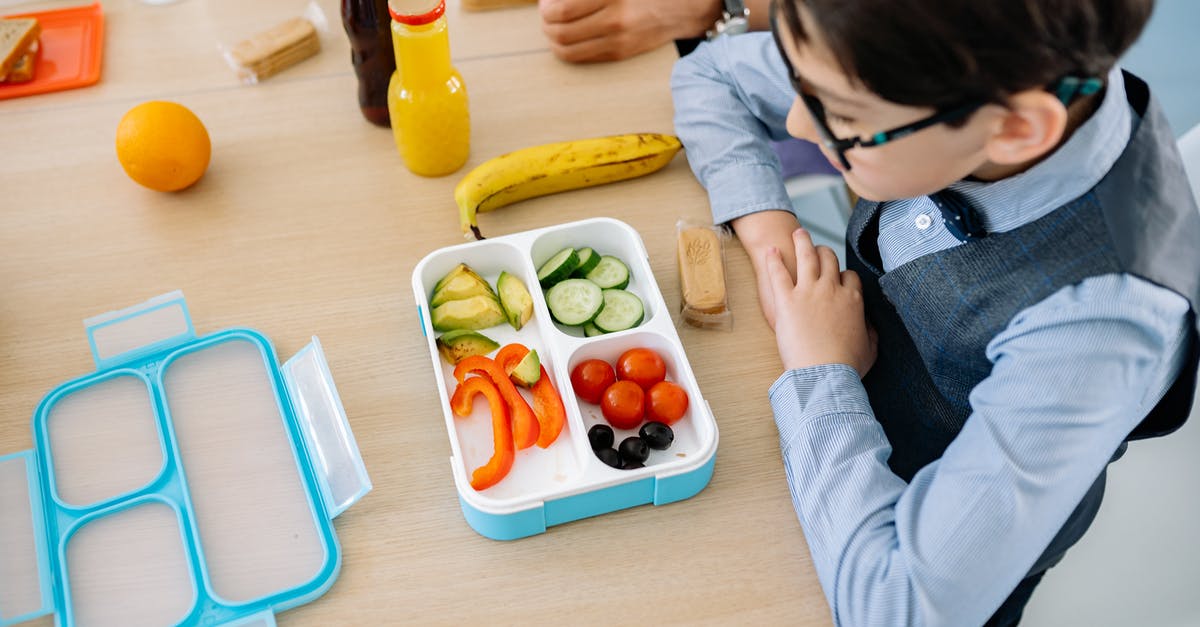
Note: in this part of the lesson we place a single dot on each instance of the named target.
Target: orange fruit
(163, 145)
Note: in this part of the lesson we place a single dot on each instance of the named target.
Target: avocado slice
(476, 312)
(461, 282)
(528, 370)
(455, 271)
(515, 300)
(459, 344)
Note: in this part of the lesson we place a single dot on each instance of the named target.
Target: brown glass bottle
(369, 27)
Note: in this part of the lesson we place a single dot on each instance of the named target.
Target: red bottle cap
(403, 14)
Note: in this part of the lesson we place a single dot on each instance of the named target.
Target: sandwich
(22, 72)
(18, 47)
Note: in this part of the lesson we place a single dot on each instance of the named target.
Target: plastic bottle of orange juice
(427, 99)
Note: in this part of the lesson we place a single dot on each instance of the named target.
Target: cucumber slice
(588, 259)
(590, 330)
(622, 310)
(558, 267)
(610, 273)
(574, 301)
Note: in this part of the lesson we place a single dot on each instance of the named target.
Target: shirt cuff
(805, 394)
(743, 189)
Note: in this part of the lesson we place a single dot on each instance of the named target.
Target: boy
(1026, 257)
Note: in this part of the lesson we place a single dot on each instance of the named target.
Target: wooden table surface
(307, 223)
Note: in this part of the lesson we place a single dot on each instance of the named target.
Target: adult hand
(583, 31)
(819, 317)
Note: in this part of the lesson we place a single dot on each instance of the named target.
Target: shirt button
(923, 221)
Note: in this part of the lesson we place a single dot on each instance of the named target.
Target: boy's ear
(1028, 128)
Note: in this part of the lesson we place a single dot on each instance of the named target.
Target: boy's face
(914, 165)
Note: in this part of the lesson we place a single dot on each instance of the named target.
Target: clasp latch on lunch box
(25, 587)
(327, 436)
(156, 325)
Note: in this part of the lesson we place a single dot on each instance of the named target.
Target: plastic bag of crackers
(704, 301)
(275, 48)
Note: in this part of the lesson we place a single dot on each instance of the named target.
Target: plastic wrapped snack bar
(704, 301)
(277, 48)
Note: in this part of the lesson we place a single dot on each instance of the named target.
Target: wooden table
(307, 223)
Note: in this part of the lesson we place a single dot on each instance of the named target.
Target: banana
(558, 167)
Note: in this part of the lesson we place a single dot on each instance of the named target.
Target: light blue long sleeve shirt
(1071, 375)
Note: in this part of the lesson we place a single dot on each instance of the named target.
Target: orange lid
(403, 14)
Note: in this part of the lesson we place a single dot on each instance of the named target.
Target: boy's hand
(819, 318)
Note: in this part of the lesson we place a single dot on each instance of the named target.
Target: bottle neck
(422, 52)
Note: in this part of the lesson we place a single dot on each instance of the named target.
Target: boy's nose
(800, 123)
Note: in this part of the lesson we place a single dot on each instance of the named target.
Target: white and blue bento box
(566, 481)
(189, 480)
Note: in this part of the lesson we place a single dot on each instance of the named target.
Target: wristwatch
(735, 20)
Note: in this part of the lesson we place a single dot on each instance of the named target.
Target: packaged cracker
(704, 299)
(277, 48)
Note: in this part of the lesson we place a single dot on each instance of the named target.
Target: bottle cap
(416, 12)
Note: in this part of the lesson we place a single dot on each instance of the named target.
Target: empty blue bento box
(189, 480)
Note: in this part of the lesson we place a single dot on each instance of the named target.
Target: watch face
(729, 26)
(736, 26)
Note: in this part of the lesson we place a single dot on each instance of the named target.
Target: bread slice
(16, 36)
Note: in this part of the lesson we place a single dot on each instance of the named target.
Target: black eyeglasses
(839, 145)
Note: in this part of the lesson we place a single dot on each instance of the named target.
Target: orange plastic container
(72, 46)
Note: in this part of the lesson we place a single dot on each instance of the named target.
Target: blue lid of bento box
(188, 480)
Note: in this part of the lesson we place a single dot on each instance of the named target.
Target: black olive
(633, 449)
(631, 464)
(601, 436)
(609, 456)
(657, 435)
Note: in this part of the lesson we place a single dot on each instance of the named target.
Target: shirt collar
(1068, 173)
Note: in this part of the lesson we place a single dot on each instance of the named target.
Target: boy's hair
(942, 53)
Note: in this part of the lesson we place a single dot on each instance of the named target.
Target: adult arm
(585, 31)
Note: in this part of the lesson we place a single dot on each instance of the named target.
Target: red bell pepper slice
(548, 406)
(525, 426)
(501, 462)
(547, 403)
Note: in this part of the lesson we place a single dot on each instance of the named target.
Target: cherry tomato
(590, 378)
(642, 366)
(623, 405)
(666, 402)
